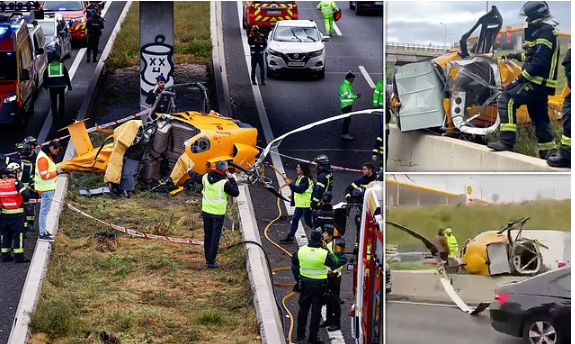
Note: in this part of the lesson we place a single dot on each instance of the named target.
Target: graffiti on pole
(158, 59)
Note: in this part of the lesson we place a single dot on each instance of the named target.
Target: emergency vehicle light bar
(19, 6)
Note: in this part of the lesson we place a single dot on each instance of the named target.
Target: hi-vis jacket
(56, 76)
(45, 176)
(346, 94)
(216, 189)
(311, 263)
(302, 189)
(13, 196)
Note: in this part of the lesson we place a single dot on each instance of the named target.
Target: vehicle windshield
(296, 34)
(63, 6)
(8, 67)
(47, 28)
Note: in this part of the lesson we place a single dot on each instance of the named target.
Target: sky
(420, 21)
(510, 188)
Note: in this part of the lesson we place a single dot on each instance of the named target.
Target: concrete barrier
(418, 151)
(424, 286)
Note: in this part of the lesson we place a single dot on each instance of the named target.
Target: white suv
(296, 45)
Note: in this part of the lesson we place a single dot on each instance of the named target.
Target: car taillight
(501, 298)
(560, 265)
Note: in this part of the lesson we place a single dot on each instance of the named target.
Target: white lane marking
(367, 77)
(77, 60)
(335, 337)
(337, 29)
(414, 303)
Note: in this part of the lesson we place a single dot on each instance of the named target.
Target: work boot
(301, 336)
(500, 146)
(254, 82)
(6, 257)
(263, 83)
(287, 240)
(558, 161)
(19, 258)
(546, 154)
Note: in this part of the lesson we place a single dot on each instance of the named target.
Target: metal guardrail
(415, 47)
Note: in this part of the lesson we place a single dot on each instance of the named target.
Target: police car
(296, 45)
(75, 14)
(57, 33)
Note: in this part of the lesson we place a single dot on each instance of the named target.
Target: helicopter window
(201, 145)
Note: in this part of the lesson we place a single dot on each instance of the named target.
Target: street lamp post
(445, 35)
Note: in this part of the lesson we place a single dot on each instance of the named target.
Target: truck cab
(18, 74)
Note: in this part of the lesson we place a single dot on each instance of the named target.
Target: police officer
(27, 153)
(336, 246)
(94, 26)
(368, 176)
(258, 44)
(328, 10)
(563, 159)
(14, 198)
(325, 215)
(346, 99)
(56, 78)
(324, 180)
(311, 264)
(378, 104)
(535, 84)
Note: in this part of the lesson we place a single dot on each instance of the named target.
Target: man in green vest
(346, 98)
(328, 10)
(45, 178)
(56, 79)
(218, 186)
(311, 264)
(335, 245)
(452, 245)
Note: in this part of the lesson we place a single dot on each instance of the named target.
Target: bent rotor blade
(276, 193)
(428, 244)
(446, 283)
(275, 143)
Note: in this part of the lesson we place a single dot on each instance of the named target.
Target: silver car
(57, 33)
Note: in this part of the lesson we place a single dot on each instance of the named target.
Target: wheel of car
(321, 74)
(356, 9)
(270, 74)
(541, 329)
(351, 5)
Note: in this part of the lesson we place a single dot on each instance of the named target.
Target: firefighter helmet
(322, 159)
(31, 141)
(535, 10)
(13, 167)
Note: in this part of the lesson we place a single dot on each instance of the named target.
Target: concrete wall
(418, 151)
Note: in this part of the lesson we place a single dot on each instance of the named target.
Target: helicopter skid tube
(457, 106)
(446, 283)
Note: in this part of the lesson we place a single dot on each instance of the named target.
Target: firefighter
(336, 245)
(346, 98)
(56, 79)
(452, 245)
(302, 189)
(311, 264)
(94, 26)
(563, 159)
(536, 83)
(325, 214)
(94, 7)
(368, 176)
(45, 182)
(26, 151)
(324, 181)
(14, 198)
(378, 147)
(218, 185)
(258, 44)
(328, 10)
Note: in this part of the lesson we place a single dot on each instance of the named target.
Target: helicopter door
(498, 260)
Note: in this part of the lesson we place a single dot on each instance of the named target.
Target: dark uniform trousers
(58, 101)
(311, 295)
(526, 93)
(566, 139)
(333, 307)
(213, 225)
(258, 60)
(12, 231)
(93, 44)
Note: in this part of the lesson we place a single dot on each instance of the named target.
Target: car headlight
(78, 20)
(274, 53)
(10, 99)
(316, 53)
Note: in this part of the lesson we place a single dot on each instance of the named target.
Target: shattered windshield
(296, 34)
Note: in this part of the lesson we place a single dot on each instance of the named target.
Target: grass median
(469, 221)
(192, 40)
(102, 284)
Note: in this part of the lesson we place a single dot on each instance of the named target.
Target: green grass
(467, 222)
(410, 266)
(192, 41)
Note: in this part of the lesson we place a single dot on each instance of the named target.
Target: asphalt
(14, 275)
(293, 101)
(432, 324)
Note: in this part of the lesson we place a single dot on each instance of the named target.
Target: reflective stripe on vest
(45, 184)
(330, 247)
(9, 197)
(452, 245)
(312, 262)
(303, 200)
(55, 70)
(215, 200)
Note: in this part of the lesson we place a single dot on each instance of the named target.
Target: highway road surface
(14, 275)
(409, 323)
(289, 102)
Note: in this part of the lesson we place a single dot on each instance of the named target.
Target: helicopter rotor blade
(275, 192)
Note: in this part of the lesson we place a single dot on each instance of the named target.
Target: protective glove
(513, 56)
(297, 287)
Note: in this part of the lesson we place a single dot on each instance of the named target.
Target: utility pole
(445, 35)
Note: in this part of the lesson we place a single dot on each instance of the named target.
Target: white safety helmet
(13, 167)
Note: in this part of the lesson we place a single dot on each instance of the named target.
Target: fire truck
(368, 270)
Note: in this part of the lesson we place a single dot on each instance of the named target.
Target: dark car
(537, 309)
(387, 279)
(362, 7)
